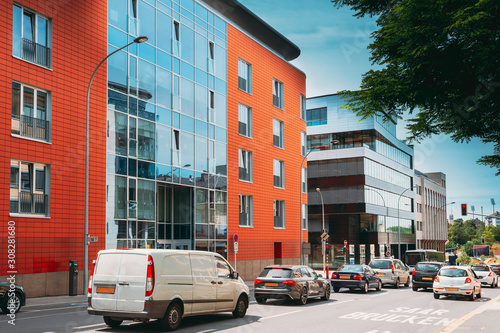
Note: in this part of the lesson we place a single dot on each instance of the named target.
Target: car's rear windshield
(453, 272)
(480, 268)
(381, 264)
(276, 273)
(427, 267)
(351, 268)
(495, 265)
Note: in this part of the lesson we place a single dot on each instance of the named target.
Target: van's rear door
(131, 284)
(105, 280)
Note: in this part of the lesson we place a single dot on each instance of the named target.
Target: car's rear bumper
(339, 283)
(460, 292)
(278, 294)
(422, 284)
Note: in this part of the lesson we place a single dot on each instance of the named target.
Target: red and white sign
(345, 242)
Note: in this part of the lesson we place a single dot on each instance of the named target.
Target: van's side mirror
(235, 275)
(320, 275)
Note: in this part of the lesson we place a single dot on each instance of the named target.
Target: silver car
(391, 271)
(485, 275)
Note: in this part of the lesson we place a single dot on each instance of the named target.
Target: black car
(355, 276)
(11, 300)
(296, 283)
(424, 274)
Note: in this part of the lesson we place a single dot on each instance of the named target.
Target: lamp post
(435, 225)
(399, 228)
(138, 40)
(323, 226)
(386, 213)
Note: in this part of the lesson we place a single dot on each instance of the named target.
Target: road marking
(335, 303)
(88, 326)
(453, 326)
(279, 315)
(66, 307)
(205, 331)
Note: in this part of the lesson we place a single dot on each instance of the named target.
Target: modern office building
(195, 135)
(365, 177)
(430, 210)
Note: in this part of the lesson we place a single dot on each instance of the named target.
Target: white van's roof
(156, 251)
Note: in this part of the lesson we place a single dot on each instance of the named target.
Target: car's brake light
(436, 279)
(257, 281)
(150, 277)
(491, 274)
(334, 276)
(413, 273)
(392, 266)
(357, 277)
(91, 276)
(468, 280)
(288, 282)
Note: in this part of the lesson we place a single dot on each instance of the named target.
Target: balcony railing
(31, 127)
(36, 53)
(31, 203)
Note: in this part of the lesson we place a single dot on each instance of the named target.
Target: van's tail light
(257, 281)
(150, 277)
(468, 280)
(91, 275)
(357, 277)
(288, 282)
(392, 267)
(436, 279)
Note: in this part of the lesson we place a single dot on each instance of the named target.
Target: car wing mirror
(235, 275)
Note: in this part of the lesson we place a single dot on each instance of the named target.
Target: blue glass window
(164, 144)
(187, 44)
(117, 13)
(163, 116)
(201, 102)
(147, 80)
(164, 87)
(201, 128)
(147, 21)
(116, 37)
(164, 28)
(316, 117)
(187, 97)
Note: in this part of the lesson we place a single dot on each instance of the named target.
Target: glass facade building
(166, 127)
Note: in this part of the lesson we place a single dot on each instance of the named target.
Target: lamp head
(141, 39)
(317, 189)
(451, 203)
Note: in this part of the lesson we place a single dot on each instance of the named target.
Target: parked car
(495, 268)
(296, 283)
(486, 275)
(168, 285)
(424, 273)
(391, 271)
(354, 277)
(457, 280)
(11, 300)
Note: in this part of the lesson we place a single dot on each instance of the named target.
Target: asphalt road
(387, 311)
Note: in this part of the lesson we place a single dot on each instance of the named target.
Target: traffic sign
(325, 236)
(345, 242)
(235, 247)
(388, 253)
(235, 237)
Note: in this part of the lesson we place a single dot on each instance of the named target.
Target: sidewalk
(50, 300)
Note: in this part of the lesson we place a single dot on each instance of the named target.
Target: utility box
(73, 278)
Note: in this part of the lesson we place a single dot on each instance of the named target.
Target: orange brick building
(196, 135)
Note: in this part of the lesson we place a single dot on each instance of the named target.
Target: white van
(144, 284)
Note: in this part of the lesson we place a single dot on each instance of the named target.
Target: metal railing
(36, 53)
(33, 203)
(31, 127)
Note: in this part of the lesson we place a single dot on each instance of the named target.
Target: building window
(176, 41)
(211, 57)
(244, 120)
(303, 142)
(279, 171)
(31, 36)
(279, 214)
(304, 180)
(245, 165)
(29, 187)
(246, 205)
(316, 117)
(278, 133)
(302, 107)
(277, 94)
(244, 76)
(133, 19)
(30, 112)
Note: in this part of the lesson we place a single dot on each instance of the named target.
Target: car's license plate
(345, 276)
(451, 289)
(271, 284)
(105, 290)
(380, 274)
(426, 278)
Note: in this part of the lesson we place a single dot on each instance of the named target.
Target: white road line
(453, 326)
(205, 331)
(279, 315)
(66, 307)
(341, 302)
(88, 326)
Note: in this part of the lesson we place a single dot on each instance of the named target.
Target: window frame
(248, 125)
(248, 164)
(303, 107)
(33, 172)
(279, 140)
(245, 67)
(303, 143)
(278, 92)
(281, 176)
(279, 208)
(246, 202)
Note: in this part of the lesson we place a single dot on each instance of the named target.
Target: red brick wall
(78, 45)
(258, 242)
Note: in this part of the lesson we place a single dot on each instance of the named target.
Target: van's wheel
(241, 307)
(12, 304)
(172, 319)
(111, 322)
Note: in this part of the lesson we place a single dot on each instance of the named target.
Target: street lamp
(140, 39)
(386, 213)
(399, 228)
(435, 225)
(323, 227)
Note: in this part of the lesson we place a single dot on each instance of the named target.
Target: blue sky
(334, 57)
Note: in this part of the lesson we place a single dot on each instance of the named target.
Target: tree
(489, 238)
(464, 259)
(439, 61)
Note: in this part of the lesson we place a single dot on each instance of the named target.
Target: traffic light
(482, 239)
(464, 209)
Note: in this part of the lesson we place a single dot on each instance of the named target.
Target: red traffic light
(464, 209)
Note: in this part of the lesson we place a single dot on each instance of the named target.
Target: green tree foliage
(457, 234)
(489, 238)
(495, 231)
(464, 259)
(440, 62)
(468, 248)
